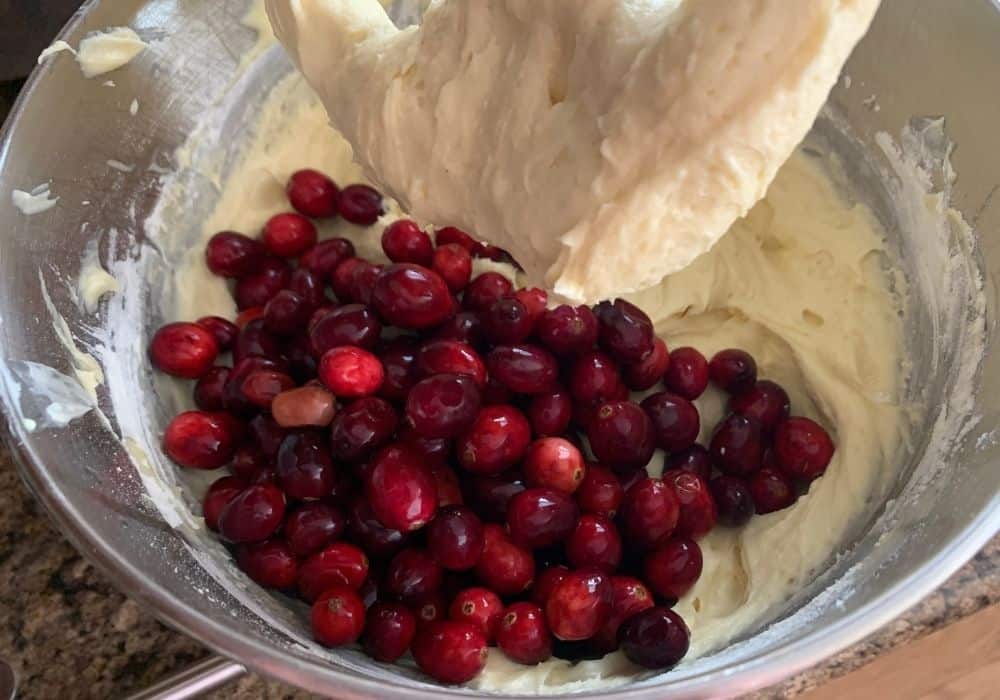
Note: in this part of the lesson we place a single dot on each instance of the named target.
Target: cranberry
(490, 495)
(535, 301)
(802, 448)
(183, 350)
(248, 461)
(594, 543)
(624, 330)
(389, 631)
(267, 434)
(694, 459)
(771, 491)
(450, 652)
(286, 313)
(200, 440)
(524, 369)
(485, 290)
(737, 447)
(507, 321)
(271, 563)
(480, 607)
(209, 388)
(304, 467)
(541, 517)
(412, 574)
(621, 435)
(555, 463)
(399, 359)
(523, 634)
(450, 357)
(567, 330)
(301, 363)
(362, 427)
(253, 515)
(412, 296)
(404, 242)
(312, 193)
(455, 538)
(400, 489)
(337, 564)
(312, 526)
(350, 372)
(360, 204)
(230, 254)
(629, 597)
(676, 422)
(222, 330)
(261, 387)
(255, 340)
(307, 406)
(656, 638)
(324, 257)
(433, 451)
(496, 441)
(218, 496)
(594, 378)
(733, 371)
(465, 327)
(600, 492)
(673, 568)
(698, 510)
(344, 279)
(289, 235)
(504, 567)
(631, 478)
(338, 616)
(352, 324)
(643, 375)
(454, 264)
(579, 604)
(547, 581)
(449, 490)
(450, 235)
(765, 401)
(733, 500)
(247, 315)
(687, 373)
(649, 513)
(443, 406)
(550, 414)
(365, 529)
(257, 288)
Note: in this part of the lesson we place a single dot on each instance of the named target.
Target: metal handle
(193, 681)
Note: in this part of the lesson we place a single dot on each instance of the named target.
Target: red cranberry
(450, 357)
(631, 478)
(594, 378)
(400, 489)
(412, 296)
(208, 390)
(305, 407)
(624, 330)
(579, 604)
(255, 340)
(345, 277)
(443, 406)
(350, 372)
(433, 451)
(480, 607)
(324, 257)
(594, 543)
(600, 491)
(495, 393)
(507, 321)
(450, 652)
(449, 490)
(771, 491)
(535, 301)
(450, 235)
(389, 631)
(222, 330)
(267, 434)
(365, 529)
(270, 564)
(629, 597)
(541, 517)
(399, 359)
(360, 204)
(765, 401)
(673, 568)
(200, 440)
(404, 242)
(656, 638)
(698, 511)
(218, 496)
(455, 538)
(550, 414)
(257, 288)
(649, 513)
(362, 427)
(183, 350)
(490, 495)
(643, 375)
(312, 526)
(465, 327)
(523, 635)
(802, 448)
(247, 315)
(338, 617)
(454, 264)
(353, 324)
(253, 515)
(230, 254)
(289, 235)
(412, 574)
(486, 289)
(524, 369)
(621, 435)
(248, 461)
(337, 564)
(310, 289)
(676, 422)
(312, 193)
(504, 567)
(733, 371)
(261, 387)
(687, 373)
(555, 463)
(304, 467)
(546, 583)
(566, 330)
(733, 500)
(496, 441)
(694, 459)
(737, 447)
(286, 313)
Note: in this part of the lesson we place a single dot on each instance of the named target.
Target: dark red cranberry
(267, 434)
(546, 583)
(733, 500)
(645, 373)
(433, 451)
(733, 371)
(687, 373)
(480, 607)
(352, 324)
(629, 597)
(485, 290)
(579, 604)
(345, 277)
(412, 296)
(404, 242)
(450, 652)
(523, 635)
(389, 631)
(676, 422)
(222, 330)
(247, 461)
(255, 340)
(624, 330)
(698, 510)
(451, 357)
(443, 406)
(350, 372)
(365, 529)
(289, 235)
(771, 491)
(737, 447)
(496, 441)
(489, 496)
(567, 330)
(230, 254)
(504, 567)
(535, 301)
(694, 459)
(450, 235)
(673, 568)
(338, 616)
(324, 257)
(507, 321)
(649, 513)
(360, 204)
(310, 289)
(465, 327)
(541, 517)
(244, 317)
(253, 515)
(412, 574)
(656, 638)
(183, 350)
(362, 427)
(305, 407)
(312, 193)
(400, 489)
(524, 369)
(312, 526)
(454, 264)
(218, 496)
(200, 440)
(765, 401)
(299, 356)
(455, 538)
(802, 448)
(271, 563)
(269, 277)
(447, 485)
(209, 388)
(554, 463)
(594, 543)
(631, 478)
(304, 467)
(337, 564)
(594, 379)
(399, 358)
(550, 414)
(261, 387)
(495, 393)
(621, 435)
(286, 313)
(600, 492)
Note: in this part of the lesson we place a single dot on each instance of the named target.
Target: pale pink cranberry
(450, 357)
(270, 564)
(454, 264)
(257, 288)
(600, 492)
(676, 422)
(324, 257)
(524, 369)
(771, 491)
(698, 510)
(645, 373)
(737, 446)
(337, 564)
(338, 617)
(360, 204)
(673, 568)
(484, 290)
(507, 321)
(362, 427)
(629, 597)
(231, 254)
(687, 373)
(289, 235)
(450, 235)
(649, 513)
(523, 634)
(579, 605)
(443, 406)
(550, 414)
(400, 489)
(450, 652)
(765, 401)
(404, 242)
(307, 406)
(312, 193)
(253, 515)
(312, 526)
(554, 463)
(594, 543)
(389, 631)
(594, 378)
(480, 607)
(350, 372)
(223, 331)
(624, 330)
(802, 448)
(733, 371)
(504, 567)
(218, 496)
(411, 575)
(656, 638)
(496, 441)
(567, 330)
(412, 296)
(455, 538)
(621, 435)
(201, 440)
(208, 390)
(183, 350)
(541, 517)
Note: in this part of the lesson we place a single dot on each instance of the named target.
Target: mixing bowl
(97, 468)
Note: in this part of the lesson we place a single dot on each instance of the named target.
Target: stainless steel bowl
(922, 57)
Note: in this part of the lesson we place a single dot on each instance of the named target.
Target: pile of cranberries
(439, 463)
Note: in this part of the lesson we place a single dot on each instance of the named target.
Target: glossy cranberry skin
(268, 278)
(223, 331)
(451, 357)
(541, 517)
(656, 638)
(624, 330)
(360, 204)
(676, 422)
(554, 463)
(218, 496)
(771, 491)
(399, 359)
(465, 327)
(507, 321)
(698, 510)
(247, 461)
(400, 489)
(802, 448)
(523, 635)
(312, 526)
(687, 374)
(579, 604)
(524, 369)
(550, 414)
(361, 427)
(489, 496)
(645, 373)
(733, 500)
(230, 254)
(450, 652)
(504, 567)
(497, 440)
(304, 467)
(324, 257)
(480, 607)
(694, 459)
(673, 568)
(546, 583)
(449, 235)
(184, 350)
(765, 401)
(433, 451)
(443, 406)
(389, 631)
(286, 313)
(737, 446)
(201, 440)
(600, 492)
(454, 264)
(289, 235)
(366, 529)
(412, 296)
(336, 564)
(338, 616)
(261, 387)
(209, 389)
(535, 301)
(412, 574)
(485, 290)
(568, 330)
(352, 324)
(267, 434)
(270, 564)
(733, 371)
(253, 515)
(350, 372)
(455, 538)
(629, 597)
(404, 242)
(312, 193)
(594, 543)
(621, 435)
(594, 378)
(649, 513)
